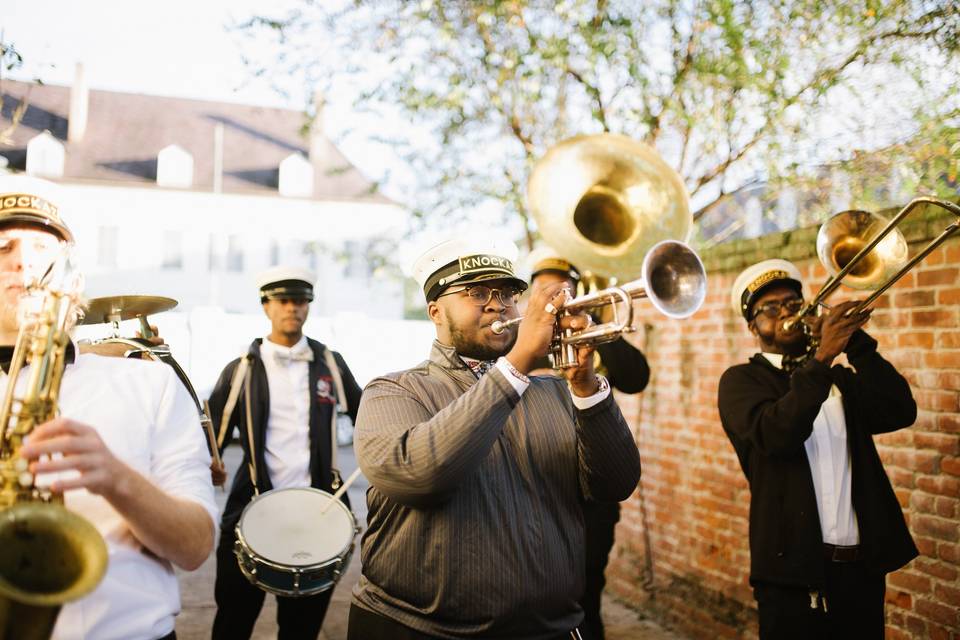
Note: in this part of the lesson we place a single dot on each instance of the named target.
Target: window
(172, 250)
(107, 247)
(234, 253)
(274, 253)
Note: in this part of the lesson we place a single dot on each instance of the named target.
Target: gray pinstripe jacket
(474, 510)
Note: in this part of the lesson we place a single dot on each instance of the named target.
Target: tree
(730, 92)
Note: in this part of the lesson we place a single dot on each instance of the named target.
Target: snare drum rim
(347, 549)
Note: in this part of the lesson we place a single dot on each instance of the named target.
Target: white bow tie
(286, 357)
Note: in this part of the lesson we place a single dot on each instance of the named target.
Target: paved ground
(197, 588)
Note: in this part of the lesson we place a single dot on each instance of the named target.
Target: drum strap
(235, 386)
(253, 453)
(342, 402)
(240, 380)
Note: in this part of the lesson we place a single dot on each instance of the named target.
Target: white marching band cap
(26, 200)
(755, 279)
(282, 282)
(464, 260)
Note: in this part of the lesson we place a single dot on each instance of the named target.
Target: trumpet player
(825, 525)
(126, 451)
(478, 471)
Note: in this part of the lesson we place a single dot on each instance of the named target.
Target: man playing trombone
(477, 471)
(825, 525)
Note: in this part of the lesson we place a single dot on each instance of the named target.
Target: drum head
(285, 526)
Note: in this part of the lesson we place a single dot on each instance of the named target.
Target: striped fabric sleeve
(419, 458)
(608, 456)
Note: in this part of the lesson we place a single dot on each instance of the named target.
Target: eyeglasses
(772, 309)
(481, 294)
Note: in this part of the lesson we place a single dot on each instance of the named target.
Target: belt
(836, 553)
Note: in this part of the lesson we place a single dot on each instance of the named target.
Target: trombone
(879, 263)
(673, 279)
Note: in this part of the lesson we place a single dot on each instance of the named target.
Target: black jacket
(242, 489)
(768, 414)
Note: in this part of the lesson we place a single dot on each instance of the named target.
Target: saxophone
(48, 554)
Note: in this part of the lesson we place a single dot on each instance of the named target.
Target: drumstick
(343, 487)
(208, 427)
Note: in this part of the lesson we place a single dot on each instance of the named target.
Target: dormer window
(296, 177)
(175, 167)
(46, 156)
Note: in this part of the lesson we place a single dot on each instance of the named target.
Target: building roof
(125, 132)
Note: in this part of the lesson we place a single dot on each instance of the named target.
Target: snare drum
(286, 546)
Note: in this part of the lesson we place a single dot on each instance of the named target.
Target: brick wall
(681, 551)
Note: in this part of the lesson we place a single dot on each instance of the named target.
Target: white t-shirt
(147, 419)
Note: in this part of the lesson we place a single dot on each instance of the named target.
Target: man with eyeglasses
(477, 471)
(825, 525)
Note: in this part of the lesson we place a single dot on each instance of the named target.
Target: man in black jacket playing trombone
(825, 525)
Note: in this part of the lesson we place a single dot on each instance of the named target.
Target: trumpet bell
(843, 236)
(604, 200)
(674, 278)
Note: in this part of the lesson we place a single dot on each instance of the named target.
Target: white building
(190, 199)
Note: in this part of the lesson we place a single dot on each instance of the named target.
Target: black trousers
(853, 608)
(366, 625)
(239, 603)
(600, 520)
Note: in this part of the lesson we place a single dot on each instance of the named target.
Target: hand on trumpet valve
(835, 327)
(535, 332)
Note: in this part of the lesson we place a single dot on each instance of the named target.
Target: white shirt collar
(776, 359)
(272, 347)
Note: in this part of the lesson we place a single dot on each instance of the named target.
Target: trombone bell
(846, 233)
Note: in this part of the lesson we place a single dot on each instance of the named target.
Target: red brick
(926, 546)
(940, 485)
(947, 508)
(922, 339)
(951, 465)
(922, 502)
(933, 400)
(948, 297)
(947, 594)
(913, 298)
(896, 634)
(936, 632)
(948, 423)
(917, 626)
(946, 275)
(942, 443)
(949, 339)
(936, 318)
(939, 528)
(942, 359)
(900, 599)
(937, 612)
(910, 581)
(937, 569)
(949, 552)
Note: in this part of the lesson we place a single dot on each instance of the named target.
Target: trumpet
(674, 280)
(857, 252)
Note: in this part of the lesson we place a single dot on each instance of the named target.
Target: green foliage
(729, 91)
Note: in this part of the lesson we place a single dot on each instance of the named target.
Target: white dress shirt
(146, 418)
(287, 450)
(829, 459)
